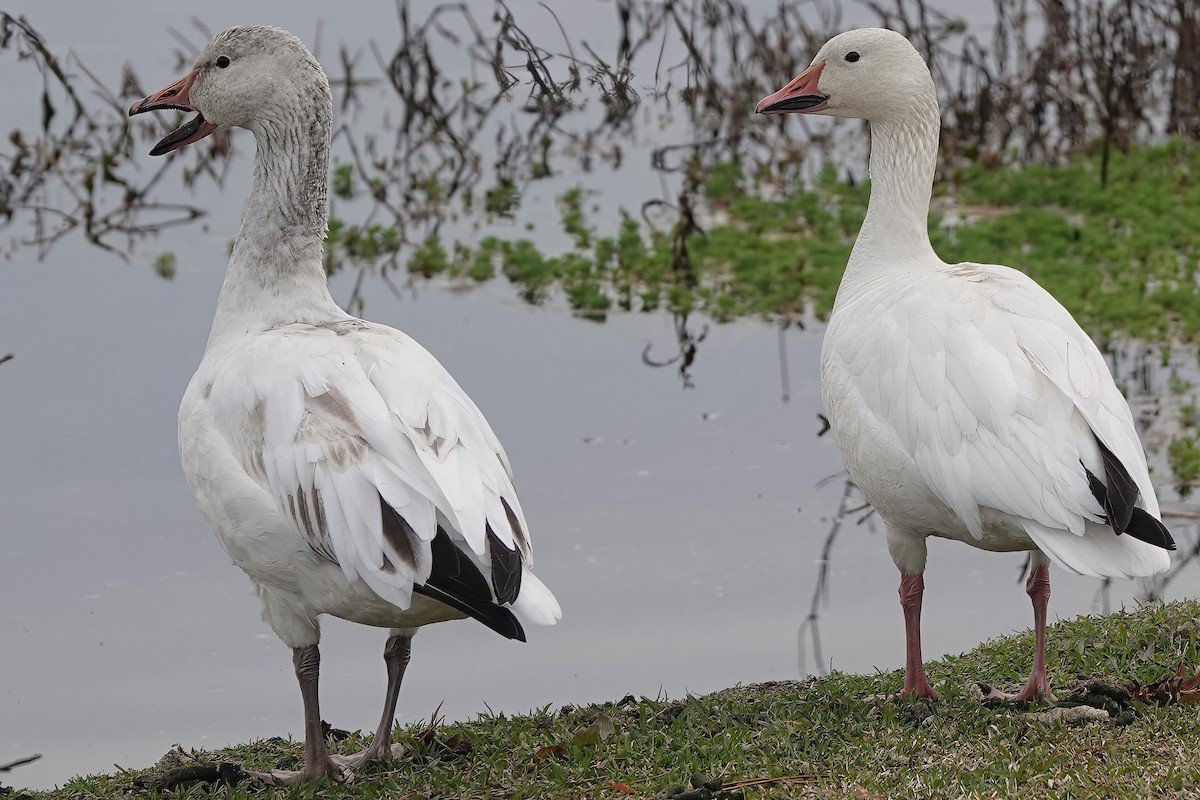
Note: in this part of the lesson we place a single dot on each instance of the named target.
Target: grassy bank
(1122, 257)
(821, 738)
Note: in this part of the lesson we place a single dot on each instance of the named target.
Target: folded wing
(386, 468)
(1004, 404)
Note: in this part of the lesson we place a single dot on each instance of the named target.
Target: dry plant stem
(10, 766)
(820, 595)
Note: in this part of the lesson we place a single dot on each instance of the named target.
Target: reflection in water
(785, 381)
(848, 505)
(448, 140)
(684, 275)
(687, 343)
(71, 174)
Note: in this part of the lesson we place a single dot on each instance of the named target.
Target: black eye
(853, 56)
(223, 62)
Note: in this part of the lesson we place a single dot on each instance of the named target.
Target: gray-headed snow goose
(340, 465)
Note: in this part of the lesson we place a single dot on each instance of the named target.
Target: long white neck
(903, 158)
(276, 272)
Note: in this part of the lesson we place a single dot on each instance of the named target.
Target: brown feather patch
(399, 536)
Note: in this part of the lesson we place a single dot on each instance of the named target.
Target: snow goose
(965, 400)
(340, 465)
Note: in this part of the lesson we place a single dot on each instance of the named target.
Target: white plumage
(308, 427)
(965, 400)
(340, 465)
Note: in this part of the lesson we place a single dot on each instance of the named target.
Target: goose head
(247, 77)
(869, 73)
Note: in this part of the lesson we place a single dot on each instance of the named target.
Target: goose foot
(1032, 693)
(356, 760)
(1037, 688)
(919, 690)
(331, 770)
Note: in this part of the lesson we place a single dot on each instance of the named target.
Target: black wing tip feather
(518, 533)
(1122, 492)
(456, 581)
(1145, 527)
(506, 568)
(501, 620)
(1118, 494)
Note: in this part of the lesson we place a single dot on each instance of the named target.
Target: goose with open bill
(339, 464)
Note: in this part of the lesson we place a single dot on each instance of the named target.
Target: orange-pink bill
(800, 95)
(176, 96)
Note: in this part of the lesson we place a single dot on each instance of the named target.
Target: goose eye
(853, 56)
(222, 62)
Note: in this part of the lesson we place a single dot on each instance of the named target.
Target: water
(679, 528)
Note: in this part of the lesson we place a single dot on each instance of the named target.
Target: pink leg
(1037, 586)
(912, 587)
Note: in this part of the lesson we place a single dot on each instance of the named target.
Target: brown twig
(20, 761)
(789, 779)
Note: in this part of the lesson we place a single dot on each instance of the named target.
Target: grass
(1123, 259)
(814, 739)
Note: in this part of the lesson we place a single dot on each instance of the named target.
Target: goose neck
(903, 160)
(276, 270)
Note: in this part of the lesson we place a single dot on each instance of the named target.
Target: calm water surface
(679, 528)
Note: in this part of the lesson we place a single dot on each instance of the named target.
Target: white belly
(888, 476)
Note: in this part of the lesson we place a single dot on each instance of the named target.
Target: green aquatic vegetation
(343, 181)
(1187, 415)
(573, 221)
(1183, 451)
(429, 258)
(1122, 259)
(1184, 456)
(819, 738)
(164, 265)
(502, 200)
(359, 244)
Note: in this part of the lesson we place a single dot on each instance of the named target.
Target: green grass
(820, 738)
(1123, 259)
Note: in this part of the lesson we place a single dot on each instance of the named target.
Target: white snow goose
(965, 400)
(339, 464)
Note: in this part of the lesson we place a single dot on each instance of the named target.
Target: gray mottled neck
(903, 160)
(276, 272)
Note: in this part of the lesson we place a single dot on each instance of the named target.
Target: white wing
(999, 398)
(383, 464)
